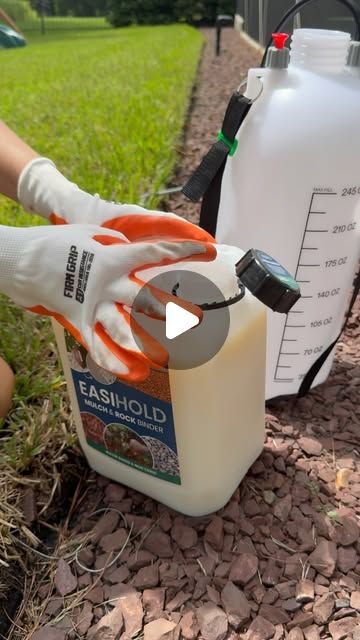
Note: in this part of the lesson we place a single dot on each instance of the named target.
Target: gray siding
(328, 14)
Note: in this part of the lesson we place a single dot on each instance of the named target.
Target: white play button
(178, 320)
(187, 348)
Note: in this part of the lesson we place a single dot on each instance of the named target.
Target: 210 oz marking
(341, 228)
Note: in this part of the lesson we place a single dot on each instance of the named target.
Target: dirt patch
(280, 560)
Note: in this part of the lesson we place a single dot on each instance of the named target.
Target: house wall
(328, 14)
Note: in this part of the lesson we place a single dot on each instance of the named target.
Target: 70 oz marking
(309, 352)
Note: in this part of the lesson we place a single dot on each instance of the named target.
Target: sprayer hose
(350, 4)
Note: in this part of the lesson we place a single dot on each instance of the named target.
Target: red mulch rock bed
(282, 559)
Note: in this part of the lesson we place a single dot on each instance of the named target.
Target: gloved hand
(44, 190)
(86, 278)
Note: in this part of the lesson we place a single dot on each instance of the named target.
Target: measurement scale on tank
(318, 259)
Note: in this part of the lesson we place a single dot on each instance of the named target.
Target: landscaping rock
(243, 568)
(282, 508)
(84, 619)
(177, 602)
(261, 629)
(107, 524)
(347, 559)
(341, 629)
(355, 600)
(212, 621)
(189, 626)
(114, 541)
(214, 533)
(295, 634)
(65, 580)
(95, 595)
(311, 446)
(347, 532)
(275, 615)
(323, 559)
(301, 619)
(120, 574)
(147, 577)
(312, 633)
(153, 602)
(140, 559)
(185, 537)
(323, 608)
(158, 542)
(49, 633)
(132, 610)
(160, 629)
(236, 605)
(108, 627)
(114, 493)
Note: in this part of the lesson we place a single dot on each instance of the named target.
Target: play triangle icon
(178, 320)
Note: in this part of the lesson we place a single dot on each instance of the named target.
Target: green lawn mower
(9, 38)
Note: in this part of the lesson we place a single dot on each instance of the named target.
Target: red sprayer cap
(279, 39)
(277, 56)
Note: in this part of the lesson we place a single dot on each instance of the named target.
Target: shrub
(125, 12)
(18, 10)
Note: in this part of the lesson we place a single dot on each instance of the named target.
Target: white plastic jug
(184, 437)
(293, 188)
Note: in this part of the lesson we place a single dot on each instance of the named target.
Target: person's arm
(15, 155)
(41, 188)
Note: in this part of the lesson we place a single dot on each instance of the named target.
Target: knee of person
(7, 380)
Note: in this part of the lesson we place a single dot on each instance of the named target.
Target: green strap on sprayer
(206, 180)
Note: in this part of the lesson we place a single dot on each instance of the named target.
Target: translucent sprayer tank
(293, 188)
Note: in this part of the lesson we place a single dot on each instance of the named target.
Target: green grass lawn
(108, 106)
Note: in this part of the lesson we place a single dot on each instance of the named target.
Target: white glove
(85, 277)
(44, 190)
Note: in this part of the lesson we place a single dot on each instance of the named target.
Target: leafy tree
(125, 12)
(43, 7)
(86, 8)
(18, 10)
(122, 13)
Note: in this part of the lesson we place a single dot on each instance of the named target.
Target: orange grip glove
(87, 278)
(44, 190)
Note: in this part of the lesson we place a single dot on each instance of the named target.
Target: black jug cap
(268, 281)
